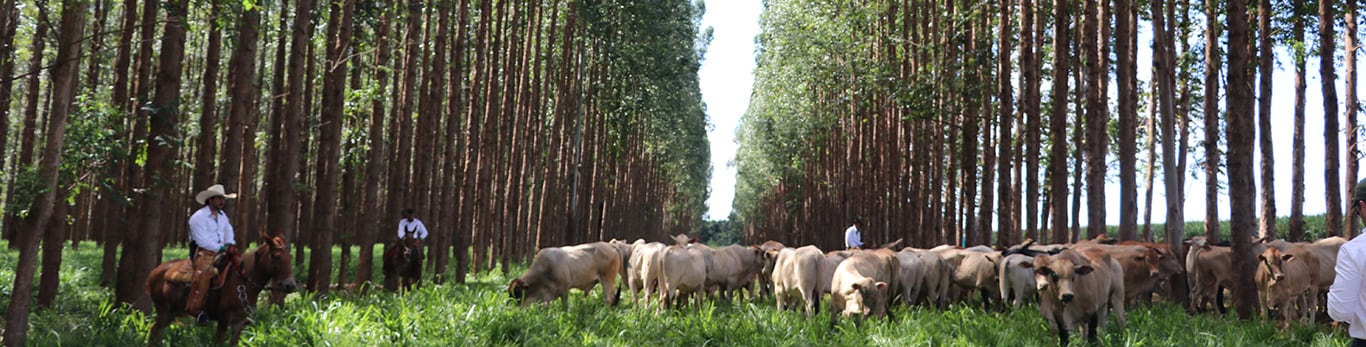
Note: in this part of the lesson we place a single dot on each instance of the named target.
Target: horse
(403, 264)
(232, 301)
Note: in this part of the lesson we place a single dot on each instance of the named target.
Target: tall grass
(479, 313)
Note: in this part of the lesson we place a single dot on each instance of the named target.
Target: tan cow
(555, 270)
(770, 249)
(1145, 266)
(682, 273)
(1079, 286)
(1210, 269)
(1016, 282)
(1286, 281)
(797, 275)
(733, 268)
(861, 285)
(643, 272)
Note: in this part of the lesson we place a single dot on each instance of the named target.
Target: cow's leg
(1092, 322)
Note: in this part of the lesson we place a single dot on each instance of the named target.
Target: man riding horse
(210, 234)
(411, 227)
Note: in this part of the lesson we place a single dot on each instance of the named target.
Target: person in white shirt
(853, 239)
(1346, 298)
(210, 234)
(411, 227)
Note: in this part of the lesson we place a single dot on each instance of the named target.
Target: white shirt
(413, 227)
(1346, 298)
(210, 231)
(852, 237)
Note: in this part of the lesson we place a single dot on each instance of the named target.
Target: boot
(199, 286)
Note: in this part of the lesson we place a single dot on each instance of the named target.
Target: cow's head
(1054, 275)
(864, 298)
(526, 293)
(1274, 261)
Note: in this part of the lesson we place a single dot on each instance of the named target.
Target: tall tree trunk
(329, 161)
(1332, 158)
(373, 211)
(164, 116)
(1353, 129)
(1212, 34)
(1029, 66)
(1268, 169)
(1243, 203)
(53, 240)
(1006, 98)
(284, 198)
(1097, 138)
(1299, 56)
(1165, 73)
(31, 105)
(241, 104)
(1057, 126)
(1127, 76)
(208, 119)
(71, 29)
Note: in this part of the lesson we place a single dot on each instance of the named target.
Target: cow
(1145, 266)
(1287, 281)
(733, 268)
(977, 272)
(682, 273)
(555, 270)
(1078, 287)
(912, 276)
(862, 284)
(770, 249)
(643, 271)
(1210, 269)
(1016, 282)
(797, 275)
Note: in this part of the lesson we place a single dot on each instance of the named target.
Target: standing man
(210, 234)
(410, 226)
(1346, 298)
(853, 239)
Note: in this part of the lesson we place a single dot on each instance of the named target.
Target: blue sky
(727, 76)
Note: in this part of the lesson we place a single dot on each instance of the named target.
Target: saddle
(183, 272)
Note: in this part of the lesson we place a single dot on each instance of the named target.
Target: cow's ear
(880, 285)
(855, 286)
(1083, 269)
(1261, 257)
(1287, 257)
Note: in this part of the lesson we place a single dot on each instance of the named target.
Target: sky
(727, 76)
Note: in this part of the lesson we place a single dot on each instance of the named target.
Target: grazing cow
(1286, 281)
(1078, 286)
(733, 268)
(682, 273)
(1017, 282)
(1210, 269)
(861, 285)
(643, 272)
(797, 274)
(977, 272)
(770, 249)
(912, 276)
(937, 277)
(555, 270)
(1145, 266)
(832, 261)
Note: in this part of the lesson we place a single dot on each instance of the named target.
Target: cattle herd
(1076, 285)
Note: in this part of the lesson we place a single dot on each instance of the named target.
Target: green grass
(479, 313)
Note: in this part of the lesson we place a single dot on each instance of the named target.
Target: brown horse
(403, 264)
(229, 303)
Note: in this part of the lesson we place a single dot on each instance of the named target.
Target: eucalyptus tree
(1328, 85)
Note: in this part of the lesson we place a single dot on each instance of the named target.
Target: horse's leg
(237, 325)
(222, 331)
(158, 327)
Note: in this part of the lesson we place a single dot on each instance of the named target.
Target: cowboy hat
(215, 190)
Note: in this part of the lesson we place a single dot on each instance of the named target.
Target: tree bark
(1240, 142)
(1267, 223)
(1058, 123)
(71, 29)
(1299, 57)
(1165, 74)
(208, 119)
(1212, 34)
(1005, 98)
(1352, 105)
(328, 172)
(1127, 76)
(1332, 158)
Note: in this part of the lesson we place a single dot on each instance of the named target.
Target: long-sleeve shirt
(1346, 298)
(211, 231)
(852, 237)
(412, 227)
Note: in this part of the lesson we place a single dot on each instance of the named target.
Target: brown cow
(642, 271)
(1286, 281)
(733, 268)
(1145, 266)
(770, 249)
(861, 285)
(1079, 286)
(797, 274)
(555, 270)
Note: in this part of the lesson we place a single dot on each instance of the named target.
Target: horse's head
(411, 248)
(272, 257)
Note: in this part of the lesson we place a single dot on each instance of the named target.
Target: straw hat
(215, 190)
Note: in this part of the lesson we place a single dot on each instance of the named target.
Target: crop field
(480, 313)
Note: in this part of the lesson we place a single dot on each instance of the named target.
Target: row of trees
(509, 125)
(929, 120)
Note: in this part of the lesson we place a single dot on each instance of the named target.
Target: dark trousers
(1358, 342)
